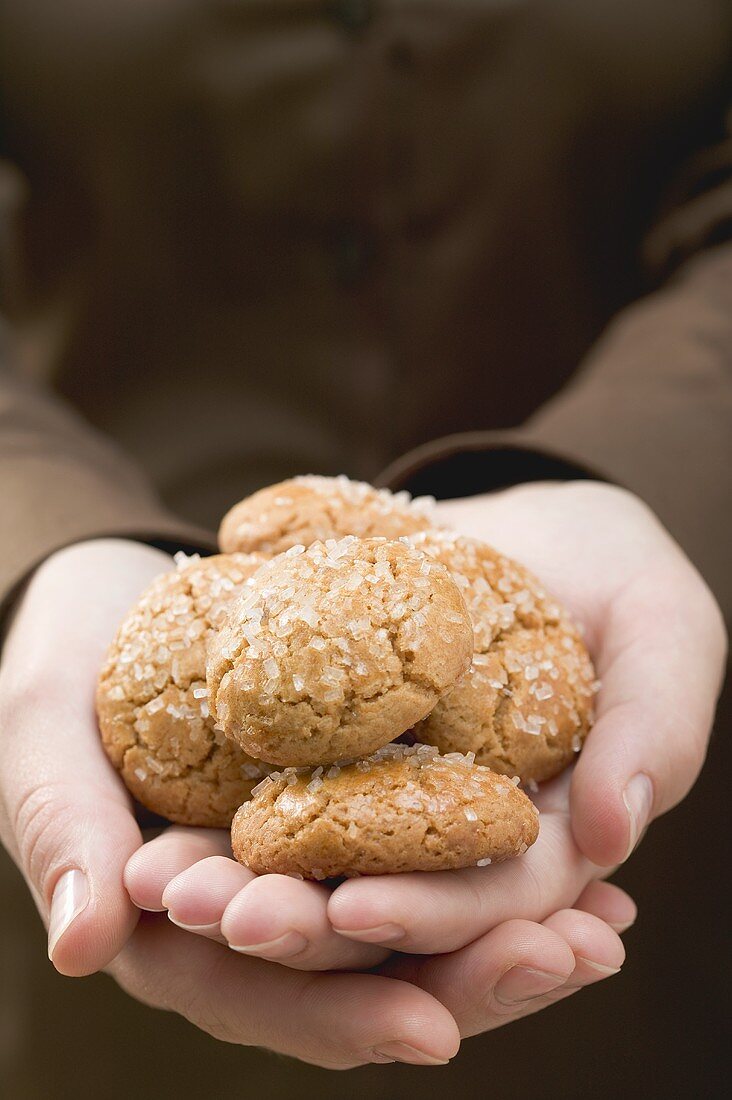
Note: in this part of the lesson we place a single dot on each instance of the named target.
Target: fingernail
(292, 943)
(200, 929)
(599, 967)
(638, 799)
(402, 1052)
(380, 933)
(149, 909)
(523, 983)
(70, 897)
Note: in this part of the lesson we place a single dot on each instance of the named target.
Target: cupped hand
(65, 816)
(653, 628)
(657, 639)
(412, 1009)
(658, 642)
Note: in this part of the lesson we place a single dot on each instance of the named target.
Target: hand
(653, 628)
(65, 816)
(414, 1010)
(657, 638)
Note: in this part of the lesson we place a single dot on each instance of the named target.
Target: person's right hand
(65, 816)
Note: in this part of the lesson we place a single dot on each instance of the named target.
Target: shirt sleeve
(651, 406)
(61, 482)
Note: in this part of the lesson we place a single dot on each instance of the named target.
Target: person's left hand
(658, 642)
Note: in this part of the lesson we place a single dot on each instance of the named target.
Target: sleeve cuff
(162, 531)
(469, 463)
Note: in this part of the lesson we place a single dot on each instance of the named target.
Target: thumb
(65, 816)
(70, 828)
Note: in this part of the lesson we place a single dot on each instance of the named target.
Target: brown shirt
(241, 240)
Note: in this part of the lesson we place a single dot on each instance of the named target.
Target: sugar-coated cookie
(525, 706)
(311, 508)
(337, 650)
(402, 809)
(152, 699)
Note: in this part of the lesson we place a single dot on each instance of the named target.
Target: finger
(70, 838)
(276, 917)
(597, 948)
(494, 980)
(196, 899)
(516, 969)
(609, 903)
(443, 911)
(331, 1020)
(655, 711)
(64, 814)
(156, 864)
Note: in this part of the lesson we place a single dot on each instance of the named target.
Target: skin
(448, 955)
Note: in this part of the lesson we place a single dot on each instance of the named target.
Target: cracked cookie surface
(337, 650)
(526, 704)
(312, 509)
(152, 699)
(406, 808)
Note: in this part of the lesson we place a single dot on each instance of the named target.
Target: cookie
(152, 698)
(526, 704)
(337, 650)
(311, 509)
(402, 809)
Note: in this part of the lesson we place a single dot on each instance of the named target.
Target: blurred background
(251, 238)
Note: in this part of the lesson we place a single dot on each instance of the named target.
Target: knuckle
(533, 889)
(690, 759)
(713, 617)
(200, 1009)
(31, 701)
(162, 988)
(212, 1006)
(20, 697)
(39, 818)
(136, 981)
(594, 491)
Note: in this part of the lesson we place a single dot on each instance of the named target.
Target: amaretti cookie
(152, 699)
(405, 808)
(337, 650)
(526, 704)
(311, 508)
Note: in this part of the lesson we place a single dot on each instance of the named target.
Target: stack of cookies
(406, 679)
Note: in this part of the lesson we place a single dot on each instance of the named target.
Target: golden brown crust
(337, 650)
(403, 809)
(312, 509)
(152, 697)
(525, 706)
